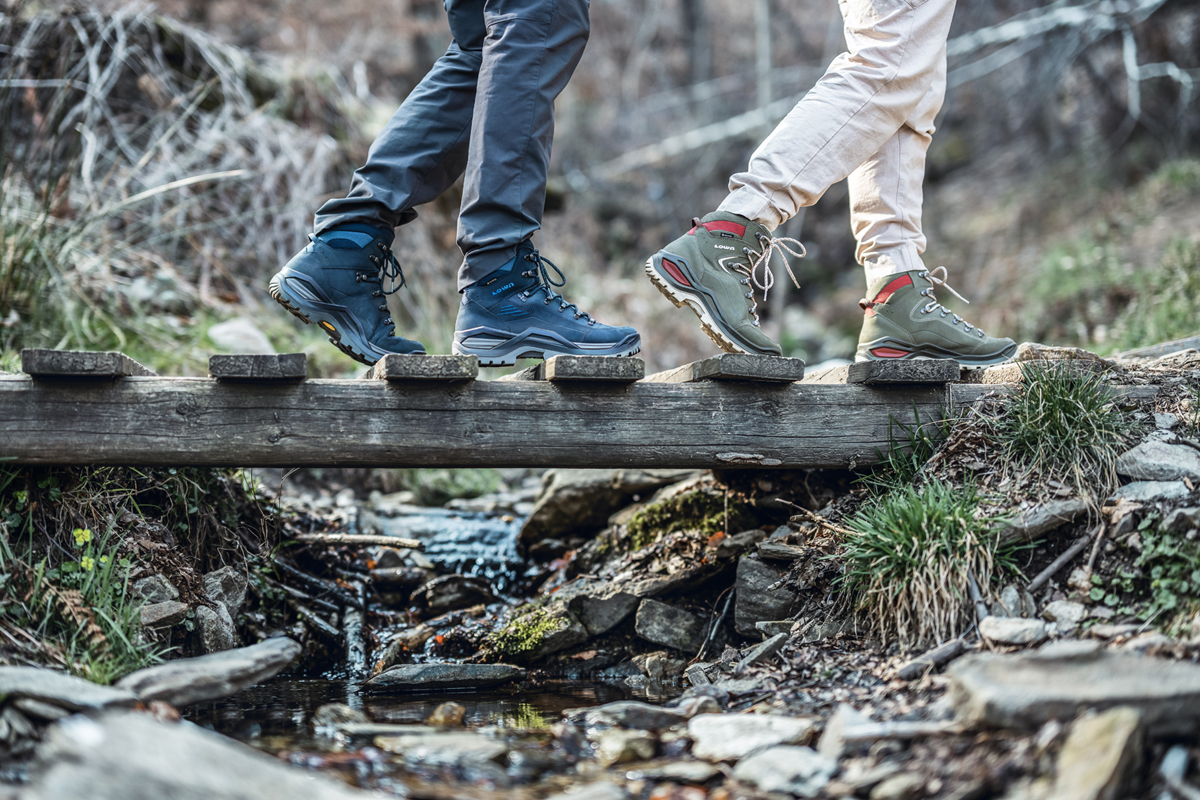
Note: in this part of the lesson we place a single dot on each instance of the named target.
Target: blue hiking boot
(515, 313)
(335, 282)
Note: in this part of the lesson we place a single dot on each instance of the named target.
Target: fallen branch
(325, 587)
(313, 621)
(359, 538)
(1058, 563)
(942, 654)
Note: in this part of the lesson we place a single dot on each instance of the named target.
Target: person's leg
(335, 282)
(510, 309)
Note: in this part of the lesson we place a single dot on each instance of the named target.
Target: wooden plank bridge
(423, 411)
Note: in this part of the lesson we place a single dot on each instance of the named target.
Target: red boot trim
(888, 352)
(891, 289)
(728, 227)
(675, 272)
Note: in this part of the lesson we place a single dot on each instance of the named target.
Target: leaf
(1096, 593)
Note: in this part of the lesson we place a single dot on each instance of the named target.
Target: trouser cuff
(752, 205)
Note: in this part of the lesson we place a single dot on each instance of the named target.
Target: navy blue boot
(335, 282)
(514, 313)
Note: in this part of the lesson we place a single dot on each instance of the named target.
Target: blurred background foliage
(160, 162)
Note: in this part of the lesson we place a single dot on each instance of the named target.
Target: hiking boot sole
(889, 349)
(306, 302)
(680, 296)
(497, 348)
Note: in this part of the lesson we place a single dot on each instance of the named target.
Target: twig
(819, 520)
(307, 598)
(312, 620)
(981, 609)
(317, 583)
(716, 624)
(1099, 532)
(932, 659)
(359, 538)
(1058, 563)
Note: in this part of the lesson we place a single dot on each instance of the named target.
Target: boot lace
(546, 284)
(750, 260)
(934, 305)
(389, 268)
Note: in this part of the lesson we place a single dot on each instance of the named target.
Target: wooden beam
(202, 422)
(79, 364)
(426, 368)
(734, 367)
(923, 370)
(259, 368)
(594, 368)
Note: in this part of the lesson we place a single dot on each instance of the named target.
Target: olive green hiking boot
(904, 320)
(714, 270)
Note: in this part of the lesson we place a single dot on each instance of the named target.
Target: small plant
(1064, 423)
(706, 511)
(528, 628)
(911, 557)
(1164, 583)
(909, 448)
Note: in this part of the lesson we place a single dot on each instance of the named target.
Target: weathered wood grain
(924, 370)
(426, 368)
(734, 367)
(533, 373)
(259, 368)
(79, 364)
(594, 368)
(198, 421)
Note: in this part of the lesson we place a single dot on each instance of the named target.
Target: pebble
(615, 746)
(898, 787)
(725, 737)
(1012, 630)
(798, 771)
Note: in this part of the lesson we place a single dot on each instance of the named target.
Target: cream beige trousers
(869, 117)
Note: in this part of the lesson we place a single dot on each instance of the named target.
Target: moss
(529, 627)
(700, 511)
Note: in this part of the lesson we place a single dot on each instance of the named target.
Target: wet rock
(441, 677)
(1012, 630)
(659, 665)
(566, 632)
(196, 680)
(599, 606)
(125, 756)
(216, 629)
(448, 715)
(443, 749)
(1182, 520)
(227, 586)
(451, 592)
(600, 790)
(694, 772)
(725, 737)
(60, 689)
(1100, 756)
(755, 599)
(163, 615)
(333, 716)
(1152, 491)
(898, 787)
(398, 579)
(580, 501)
(798, 771)
(1024, 690)
(630, 714)
(404, 643)
(691, 706)
(670, 626)
(1157, 461)
(616, 746)
(155, 589)
(1065, 613)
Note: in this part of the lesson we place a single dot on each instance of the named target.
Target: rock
(1157, 461)
(332, 716)
(1014, 603)
(1105, 631)
(125, 756)
(456, 749)
(1034, 523)
(227, 586)
(691, 706)
(1175, 763)
(39, 710)
(447, 715)
(726, 737)
(1182, 520)
(442, 677)
(769, 628)
(452, 592)
(1012, 630)
(833, 742)
(659, 665)
(240, 336)
(669, 626)
(1165, 422)
(762, 652)
(798, 771)
(1147, 640)
(600, 790)
(1100, 756)
(693, 772)
(60, 689)
(1066, 613)
(155, 589)
(898, 787)
(216, 629)
(755, 601)
(617, 746)
(1152, 491)
(598, 606)
(1024, 690)
(163, 615)
(580, 501)
(632, 714)
(567, 633)
(196, 680)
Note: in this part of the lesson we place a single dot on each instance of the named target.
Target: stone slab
(722, 737)
(669, 626)
(60, 689)
(195, 680)
(1012, 372)
(594, 368)
(922, 370)
(1025, 690)
(1100, 756)
(426, 368)
(286, 368)
(1034, 523)
(79, 364)
(1156, 350)
(735, 367)
(442, 677)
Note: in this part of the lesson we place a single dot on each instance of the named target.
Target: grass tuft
(911, 556)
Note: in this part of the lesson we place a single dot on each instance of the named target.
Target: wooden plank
(259, 368)
(79, 364)
(594, 368)
(201, 422)
(735, 367)
(918, 370)
(426, 368)
(828, 375)
(534, 373)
